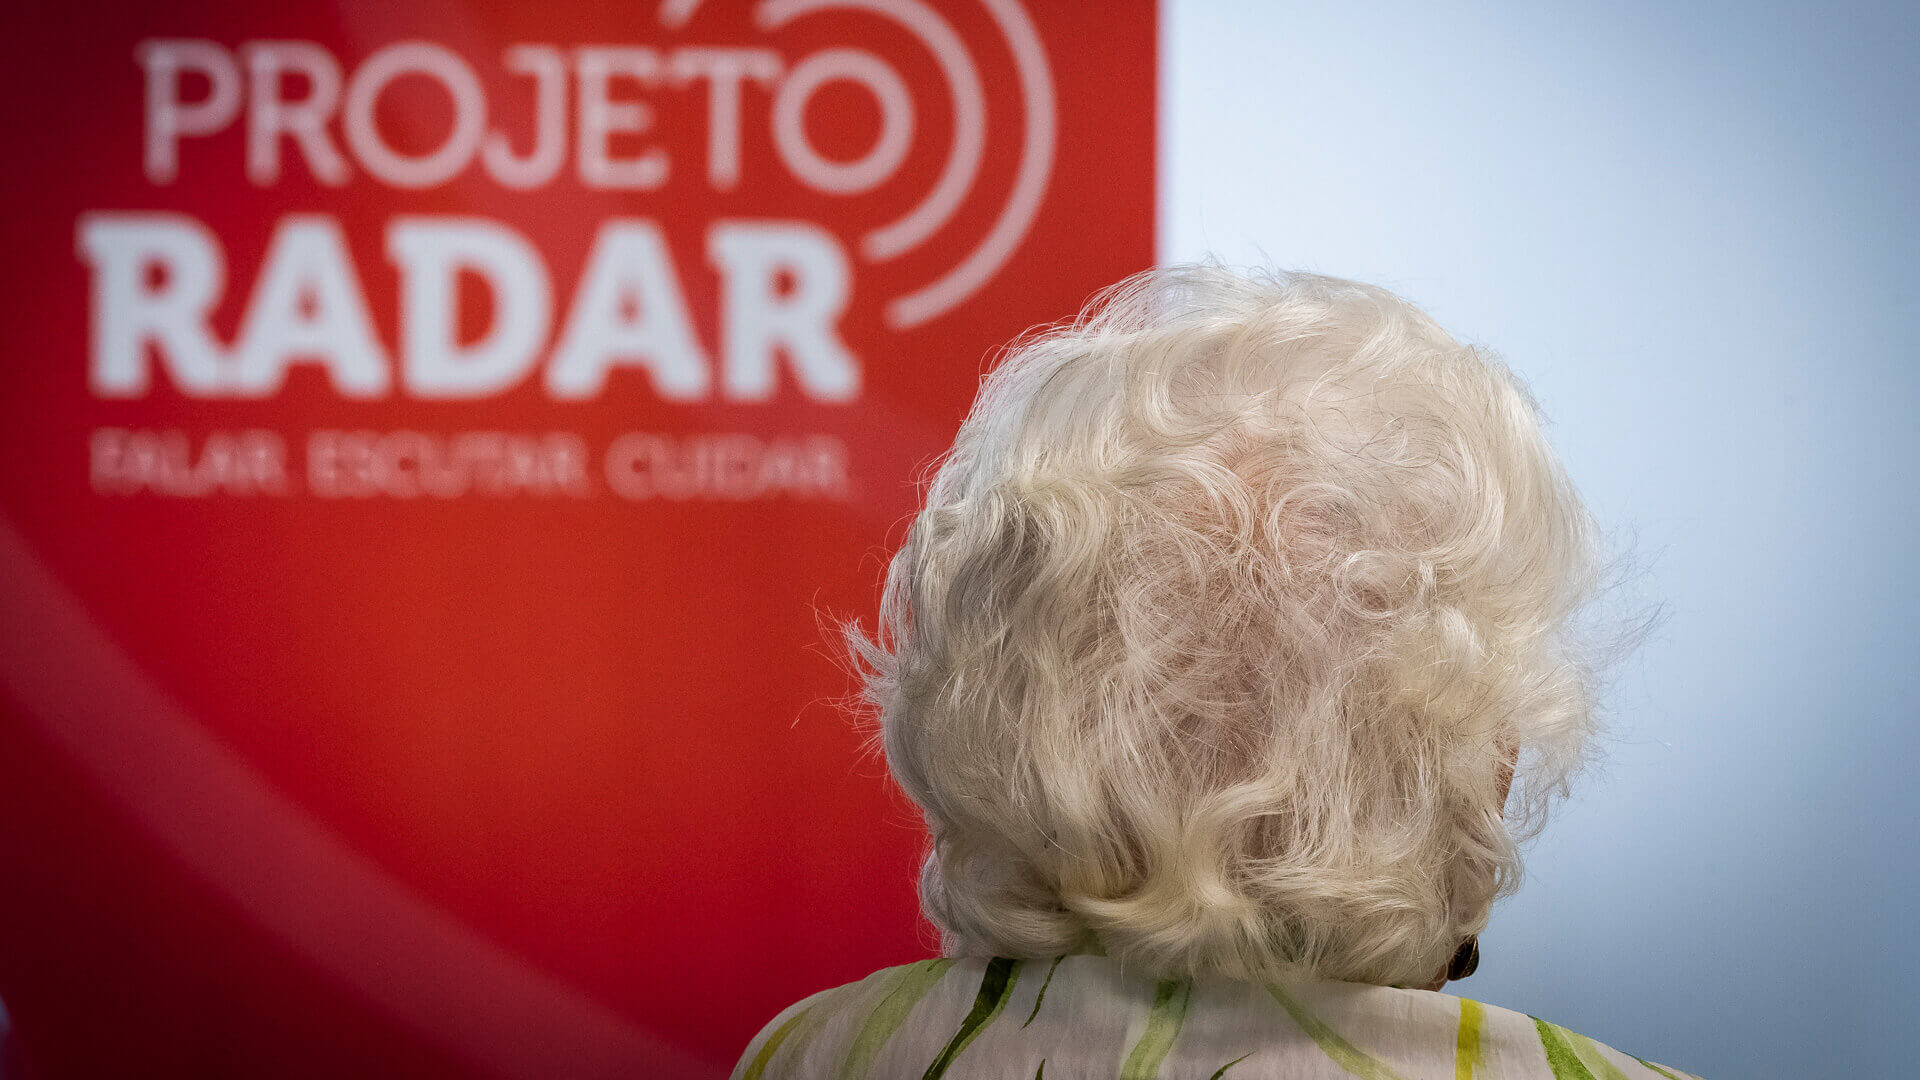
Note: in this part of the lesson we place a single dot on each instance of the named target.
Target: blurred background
(435, 437)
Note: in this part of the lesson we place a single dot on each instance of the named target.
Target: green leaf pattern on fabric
(904, 991)
(1566, 1064)
(1164, 1017)
(855, 1026)
(1042, 995)
(758, 1066)
(1589, 1054)
(1466, 1045)
(996, 986)
(1344, 1054)
(1222, 1070)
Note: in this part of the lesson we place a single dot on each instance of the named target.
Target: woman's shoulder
(1491, 1041)
(1084, 1016)
(808, 1030)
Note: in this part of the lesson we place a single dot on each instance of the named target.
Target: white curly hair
(1223, 628)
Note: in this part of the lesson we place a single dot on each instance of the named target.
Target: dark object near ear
(1466, 959)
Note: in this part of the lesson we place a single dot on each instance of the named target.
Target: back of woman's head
(1222, 628)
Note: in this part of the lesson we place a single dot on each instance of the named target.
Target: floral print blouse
(1083, 1017)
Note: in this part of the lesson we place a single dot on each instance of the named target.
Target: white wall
(1692, 229)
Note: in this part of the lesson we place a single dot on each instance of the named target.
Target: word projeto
(600, 112)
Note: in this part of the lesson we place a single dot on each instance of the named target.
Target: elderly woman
(1227, 660)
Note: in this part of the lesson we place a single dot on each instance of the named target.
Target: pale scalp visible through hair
(1221, 624)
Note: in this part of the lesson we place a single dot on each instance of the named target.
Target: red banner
(434, 435)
